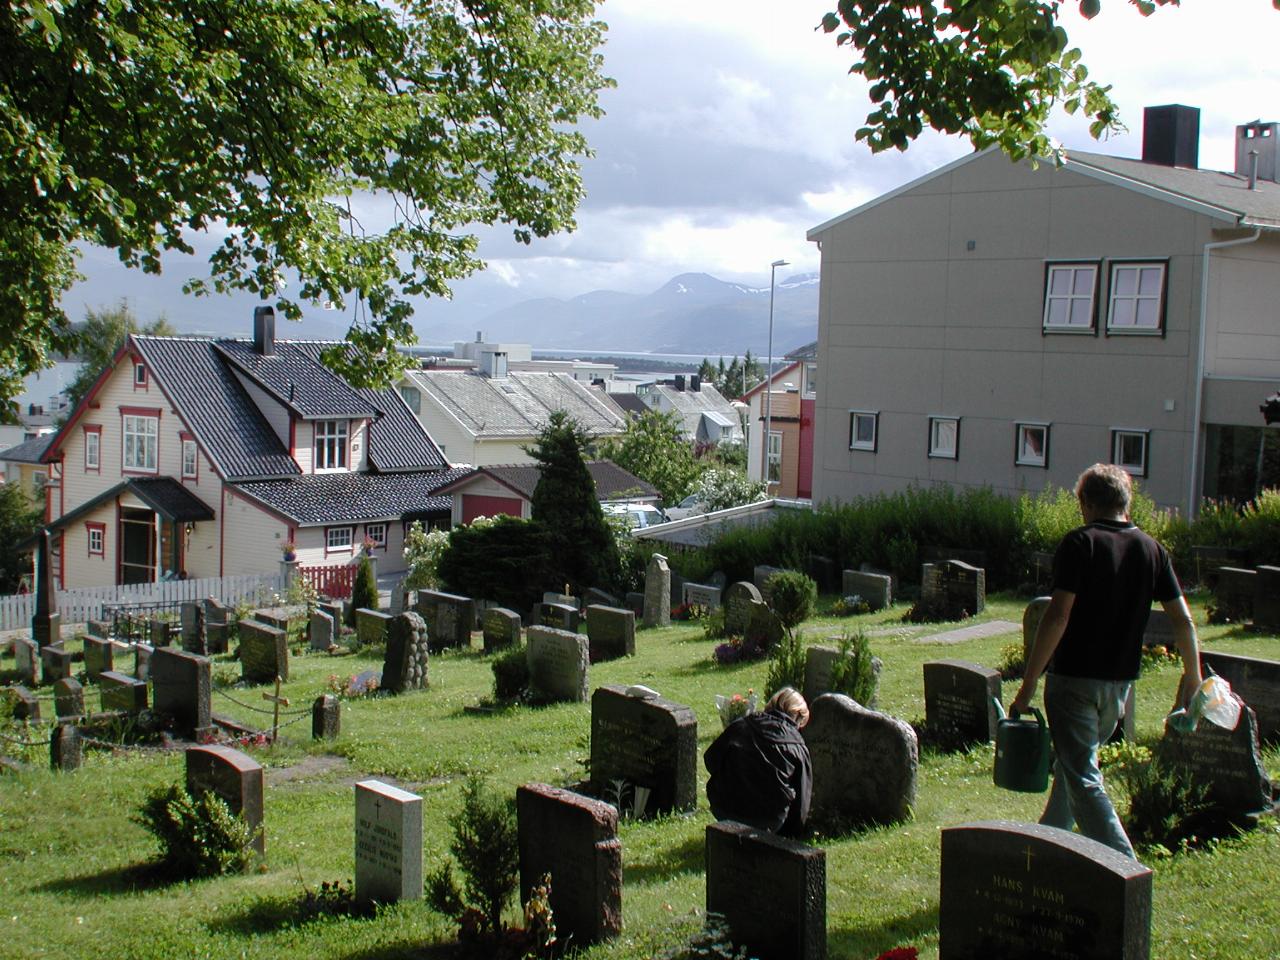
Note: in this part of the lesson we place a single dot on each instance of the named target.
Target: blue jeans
(1082, 715)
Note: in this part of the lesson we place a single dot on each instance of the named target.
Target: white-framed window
(331, 445)
(775, 457)
(1070, 292)
(141, 440)
(810, 379)
(863, 430)
(39, 480)
(1129, 447)
(189, 460)
(97, 533)
(377, 532)
(139, 374)
(1136, 303)
(1032, 444)
(337, 539)
(92, 449)
(944, 437)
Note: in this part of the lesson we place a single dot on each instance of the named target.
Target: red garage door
(474, 505)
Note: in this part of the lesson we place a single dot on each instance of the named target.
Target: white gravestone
(388, 843)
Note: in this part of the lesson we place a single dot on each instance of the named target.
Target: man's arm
(1049, 634)
(1184, 638)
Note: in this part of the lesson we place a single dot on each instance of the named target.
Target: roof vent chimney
(479, 336)
(493, 364)
(1171, 136)
(680, 382)
(695, 383)
(264, 331)
(1258, 139)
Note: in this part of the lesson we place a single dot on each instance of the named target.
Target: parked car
(690, 506)
(638, 515)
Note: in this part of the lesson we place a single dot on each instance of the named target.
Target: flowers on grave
(360, 685)
(900, 953)
(849, 605)
(735, 706)
(738, 650)
(688, 611)
(1157, 655)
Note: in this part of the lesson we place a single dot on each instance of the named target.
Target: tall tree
(19, 519)
(653, 448)
(989, 69)
(103, 333)
(133, 125)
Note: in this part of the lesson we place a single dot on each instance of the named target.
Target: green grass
(69, 851)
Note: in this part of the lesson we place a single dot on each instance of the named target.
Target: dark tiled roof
(229, 427)
(29, 451)
(328, 498)
(630, 403)
(296, 378)
(807, 352)
(612, 482)
(165, 495)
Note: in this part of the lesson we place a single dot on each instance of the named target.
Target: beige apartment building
(1008, 324)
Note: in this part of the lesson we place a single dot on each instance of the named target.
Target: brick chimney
(1171, 136)
(264, 331)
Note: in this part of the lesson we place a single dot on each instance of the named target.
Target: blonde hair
(789, 701)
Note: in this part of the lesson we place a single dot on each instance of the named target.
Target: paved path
(992, 628)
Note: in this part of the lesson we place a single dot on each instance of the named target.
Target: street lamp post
(768, 383)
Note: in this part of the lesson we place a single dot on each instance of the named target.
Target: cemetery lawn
(70, 853)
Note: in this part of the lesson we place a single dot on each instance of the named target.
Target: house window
(337, 540)
(377, 532)
(189, 460)
(1137, 298)
(1129, 450)
(141, 439)
(39, 480)
(413, 397)
(811, 379)
(944, 437)
(139, 374)
(93, 448)
(775, 457)
(1069, 291)
(331, 445)
(1032, 444)
(862, 429)
(97, 533)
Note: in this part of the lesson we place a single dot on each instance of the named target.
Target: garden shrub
(1166, 804)
(199, 836)
(364, 592)
(786, 665)
(510, 675)
(713, 942)
(853, 673)
(1013, 661)
(1260, 528)
(486, 849)
(505, 560)
(792, 596)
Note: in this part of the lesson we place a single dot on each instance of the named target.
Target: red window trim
(183, 439)
(349, 549)
(87, 429)
(91, 526)
(139, 412)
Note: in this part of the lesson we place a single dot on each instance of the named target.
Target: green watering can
(1023, 752)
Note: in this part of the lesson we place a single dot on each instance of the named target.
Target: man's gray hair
(1104, 486)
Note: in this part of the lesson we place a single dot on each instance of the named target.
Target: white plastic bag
(1217, 703)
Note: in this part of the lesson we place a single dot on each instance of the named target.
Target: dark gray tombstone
(99, 657)
(398, 597)
(819, 665)
(449, 618)
(1233, 594)
(501, 629)
(66, 748)
(161, 633)
(216, 637)
(388, 827)
(657, 592)
(824, 572)
(1266, 600)
(575, 839)
(561, 616)
(264, 652)
(371, 626)
(764, 630)
(122, 692)
(26, 656)
(233, 776)
(701, 595)
(595, 595)
(334, 608)
(1228, 761)
(46, 624)
(961, 696)
(737, 607)
(98, 628)
(874, 588)
(1256, 681)
(611, 633)
(326, 717)
(181, 688)
(718, 580)
(55, 663)
(1159, 630)
(278, 617)
(650, 744)
(635, 603)
(771, 891)
(677, 589)
(568, 599)
(864, 764)
(68, 700)
(1011, 891)
(26, 706)
(193, 629)
(761, 575)
(142, 660)
(558, 664)
(952, 590)
(322, 630)
(405, 665)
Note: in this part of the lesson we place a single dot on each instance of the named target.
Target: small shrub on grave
(688, 611)
(1156, 656)
(786, 665)
(792, 597)
(332, 899)
(1167, 807)
(713, 942)
(364, 592)
(941, 737)
(510, 675)
(225, 675)
(713, 625)
(199, 836)
(1013, 661)
(849, 606)
(853, 673)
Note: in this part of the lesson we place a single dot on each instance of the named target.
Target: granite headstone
(558, 663)
(264, 652)
(611, 633)
(962, 696)
(657, 592)
(651, 745)
(388, 829)
(233, 776)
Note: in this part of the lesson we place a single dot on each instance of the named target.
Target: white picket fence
(77, 606)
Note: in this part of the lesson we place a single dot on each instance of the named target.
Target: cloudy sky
(730, 134)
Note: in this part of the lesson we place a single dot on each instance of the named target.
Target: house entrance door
(137, 546)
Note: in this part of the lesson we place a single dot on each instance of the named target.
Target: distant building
(507, 489)
(24, 466)
(791, 397)
(705, 416)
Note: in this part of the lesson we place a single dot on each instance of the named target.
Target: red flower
(900, 953)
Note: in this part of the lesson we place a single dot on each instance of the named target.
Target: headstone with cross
(388, 826)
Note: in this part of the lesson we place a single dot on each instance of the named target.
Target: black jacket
(760, 773)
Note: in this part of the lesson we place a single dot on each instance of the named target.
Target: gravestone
(1228, 761)
(635, 603)
(561, 616)
(558, 662)
(611, 633)
(449, 618)
(1233, 595)
(233, 776)
(1266, 601)
(55, 663)
(1012, 891)
(25, 704)
(46, 624)
(388, 843)
(1031, 618)
(216, 637)
(760, 577)
(595, 595)
(961, 696)
(398, 598)
(321, 630)
(181, 687)
(25, 656)
(771, 891)
(737, 607)
(952, 590)
(160, 632)
(876, 589)
(66, 748)
(1256, 681)
(193, 630)
(326, 717)
(501, 629)
(822, 571)
(718, 580)
(819, 665)
(575, 839)
(98, 628)
(677, 588)
(567, 599)
(371, 626)
(99, 657)
(657, 592)
(278, 617)
(68, 699)
(334, 608)
(121, 692)
(651, 744)
(764, 630)
(142, 660)
(864, 764)
(1159, 631)
(405, 664)
(264, 652)
(702, 595)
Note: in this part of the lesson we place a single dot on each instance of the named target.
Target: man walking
(1105, 576)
